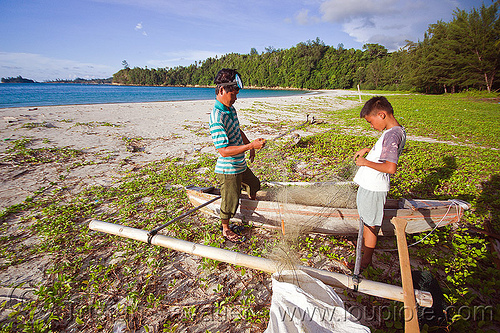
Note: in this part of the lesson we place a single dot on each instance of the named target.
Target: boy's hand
(359, 156)
(361, 152)
(258, 143)
(386, 166)
(361, 161)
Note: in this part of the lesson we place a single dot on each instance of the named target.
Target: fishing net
(335, 194)
(332, 191)
(324, 197)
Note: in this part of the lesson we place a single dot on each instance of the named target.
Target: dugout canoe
(421, 215)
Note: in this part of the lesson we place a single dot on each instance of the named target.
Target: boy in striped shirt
(231, 143)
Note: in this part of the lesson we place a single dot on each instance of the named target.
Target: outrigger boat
(338, 280)
(429, 214)
(421, 215)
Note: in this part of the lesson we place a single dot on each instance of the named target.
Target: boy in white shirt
(373, 176)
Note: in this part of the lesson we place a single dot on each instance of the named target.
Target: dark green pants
(230, 189)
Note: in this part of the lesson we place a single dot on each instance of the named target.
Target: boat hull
(421, 215)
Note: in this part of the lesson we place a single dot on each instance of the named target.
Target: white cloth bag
(301, 303)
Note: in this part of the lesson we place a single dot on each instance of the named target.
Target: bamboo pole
(269, 266)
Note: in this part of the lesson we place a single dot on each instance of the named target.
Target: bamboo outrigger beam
(333, 279)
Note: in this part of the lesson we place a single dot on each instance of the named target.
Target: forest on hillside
(453, 56)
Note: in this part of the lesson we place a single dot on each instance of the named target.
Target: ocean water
(43, 94)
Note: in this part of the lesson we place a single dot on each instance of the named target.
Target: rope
(457, 206)
(153, 232)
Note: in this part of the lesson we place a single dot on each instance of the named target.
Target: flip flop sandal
(236, 228)
(238, 239)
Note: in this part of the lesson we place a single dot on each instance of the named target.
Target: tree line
(82, 81)
(18, 79)
(453, 56)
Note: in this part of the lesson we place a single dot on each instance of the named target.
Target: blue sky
(49, 39)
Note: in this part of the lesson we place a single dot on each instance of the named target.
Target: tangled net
(336, 190)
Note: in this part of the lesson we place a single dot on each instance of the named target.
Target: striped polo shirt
(225, 131)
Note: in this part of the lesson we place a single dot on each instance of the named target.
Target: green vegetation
(94, 124)
(454, 56)
(463, 118)
(19, 153)
(18, 79)
(83, 81)
(95, 280)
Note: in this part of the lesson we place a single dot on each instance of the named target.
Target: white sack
(301, 303)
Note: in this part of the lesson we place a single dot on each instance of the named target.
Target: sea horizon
(40, 94)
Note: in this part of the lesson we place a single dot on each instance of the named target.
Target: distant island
(21, 79)
(84, 81)
(18, 79)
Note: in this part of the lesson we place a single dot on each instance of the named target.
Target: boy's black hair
(374, 104)
(223, 76)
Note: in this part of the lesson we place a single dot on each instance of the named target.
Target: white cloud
(40, 68)
(339, 11)
(372, 31)
(138, 27)
(386, 22)
(303, 18)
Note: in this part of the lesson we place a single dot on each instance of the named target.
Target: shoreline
(46, 103)
(118, 103)
(115, 136)
(165, 85)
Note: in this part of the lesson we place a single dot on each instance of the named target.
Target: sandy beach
(63, 166)
(109, 140)
(117, 136)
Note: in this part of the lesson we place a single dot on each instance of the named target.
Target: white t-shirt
(387, 148)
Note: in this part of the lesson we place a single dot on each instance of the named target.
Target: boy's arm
(387, 167)
(235, 150)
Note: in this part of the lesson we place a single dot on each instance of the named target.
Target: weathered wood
(410, 306)
(421, 215)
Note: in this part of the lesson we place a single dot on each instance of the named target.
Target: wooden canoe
(421, 215)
